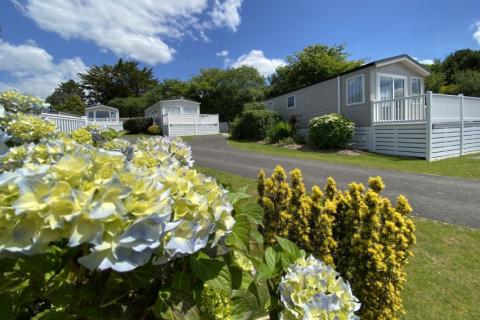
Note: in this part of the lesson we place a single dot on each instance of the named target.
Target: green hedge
(253, 124)
(137, 125)
(330, 131)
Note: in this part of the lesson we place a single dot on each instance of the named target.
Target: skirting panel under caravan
(400, 139)
(450, 140)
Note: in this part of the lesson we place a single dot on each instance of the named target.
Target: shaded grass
(464, 167)
(444, 274)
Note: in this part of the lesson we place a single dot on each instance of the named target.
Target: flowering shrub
(118, 144)
(151, 152)
(313, 290)
(358, 232)
(330, 131)
(82, 135)
(154, 129)
(25, 128)
(16, 102)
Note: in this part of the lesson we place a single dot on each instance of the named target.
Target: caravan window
(355, 90)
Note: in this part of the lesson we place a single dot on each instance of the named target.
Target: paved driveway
(446, 199)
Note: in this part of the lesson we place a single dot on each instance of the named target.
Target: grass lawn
(465, 167)
(443, 276)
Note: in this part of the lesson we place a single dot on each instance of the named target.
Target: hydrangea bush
(16, 102)
(26, 128)
(312, 290)
(123, 213)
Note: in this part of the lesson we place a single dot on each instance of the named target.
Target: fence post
(194, 124)
(372, 126)
(428, 151)
(462, 124)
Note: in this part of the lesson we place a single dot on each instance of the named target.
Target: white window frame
(394, 76)
(294, 101)
(362, 76)
(270, 105)
(422, 88)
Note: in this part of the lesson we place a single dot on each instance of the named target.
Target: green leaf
(235, 197)
(254, 213)
(240, 278)
(271, 258)
(289, 248)
(175, 306)
(52, 314)
(182, 282)
(213, 271)
(240, 236)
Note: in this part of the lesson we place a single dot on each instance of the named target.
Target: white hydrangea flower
(312, 290)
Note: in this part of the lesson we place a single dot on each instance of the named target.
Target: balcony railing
(406, 109)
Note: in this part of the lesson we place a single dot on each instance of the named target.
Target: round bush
(253, 124)
(154, 129)
(330, 131)
(279, 131)
(137, 125)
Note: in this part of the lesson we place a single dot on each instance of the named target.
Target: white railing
(190, 118)
(407, 109)
(67, 123)
(445, 108)
(450, 108)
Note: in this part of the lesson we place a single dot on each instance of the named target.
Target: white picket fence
(190, 124)
(68, 123)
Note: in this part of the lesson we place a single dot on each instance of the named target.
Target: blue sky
(45, 42)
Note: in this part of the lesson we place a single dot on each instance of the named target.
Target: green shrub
(253, 106)
(253, 124)
(330, 131)
(154, 129)
(279, 131)
(137, 125)
(360, 233)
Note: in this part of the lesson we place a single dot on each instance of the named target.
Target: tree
(167, 89)
(74, 105)
(129, 107)
(458, 73)
(226, 91)
(63, 93)
(313, 64)
(123, 79)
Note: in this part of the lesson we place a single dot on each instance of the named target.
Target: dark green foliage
(330, 131)
(280, 131)
(73, 105)
(312, 64)
(129, 106)
(226, 91)
(167, 89)
(137, 125)
(253, 106)
(458, 73)
(253, 124)
(121, 80)
(63, 93)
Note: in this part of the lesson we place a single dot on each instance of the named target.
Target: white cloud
(223, 53)
(257, 59)
(32, 70)
(226, 13)
(424, 61)
(139, 29)
(476, 35)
